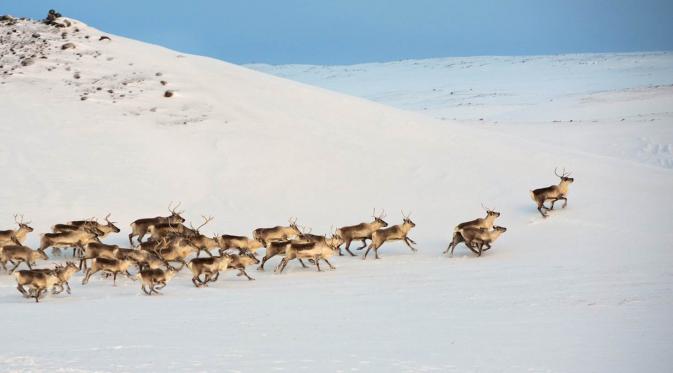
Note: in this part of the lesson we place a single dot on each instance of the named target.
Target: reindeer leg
(114, 278)
(367, 252)
(376, 253)
(539, 208)
(328, 263)
(14, 268)
(37, 295)
(261, 265)
(145, 290)
(347, 248)
(317, 264)
(406, 241)
(22, 290)
(364, 244)
(194, 279)
(302, 263)
(214, 278)
(565, 202)
(67, 286)
(242, 272)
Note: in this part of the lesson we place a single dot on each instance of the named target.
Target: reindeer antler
(107, 218)
(564, 172)
(206, 220)
(485, 207)
(292, 220)
(405, 216)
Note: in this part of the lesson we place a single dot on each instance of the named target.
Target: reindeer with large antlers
(139, 227)
(77, 239)
(362, 231)
(278, 233)
(394, 233)
(105, 229)
(15, 236)
(486, 222)
(552, 193)
(203, 242)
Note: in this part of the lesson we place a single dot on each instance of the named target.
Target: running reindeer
(552, 193)
(362, 231)
(486, 222)
(139, 227)
(394, 233)
(15, 236)
(278, 233)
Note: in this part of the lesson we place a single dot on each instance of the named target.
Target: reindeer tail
(532, 195)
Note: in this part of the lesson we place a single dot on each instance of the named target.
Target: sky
(356, 31)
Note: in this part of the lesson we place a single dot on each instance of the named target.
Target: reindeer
(20, 254)
(242, 243)
(486, 222)
(94, 250)
(552, 193)
(362, 231)
(38, 281)
(240, 261)
(477, 238)
(154, 279)
(113, 266)
(139, 227)
(76, 238)
(74, 225)
(316, 251)
(63, 273)
(276, 248)
(177, 250)
(210, 267)
(143, 259)
(203, 242)
(278, 233)
(15, 236)
(396, 232)
(158, 231)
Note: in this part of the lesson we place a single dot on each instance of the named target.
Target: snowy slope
(586, 290)
(597, 103)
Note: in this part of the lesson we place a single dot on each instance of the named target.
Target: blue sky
(352, 31)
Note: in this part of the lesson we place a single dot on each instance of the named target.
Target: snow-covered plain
(588, 289)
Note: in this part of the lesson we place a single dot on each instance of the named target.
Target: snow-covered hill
(585, 290)
(596, 103)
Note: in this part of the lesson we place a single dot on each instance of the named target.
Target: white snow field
(587, 290)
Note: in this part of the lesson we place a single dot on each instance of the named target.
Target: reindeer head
(379, 218)
(175, 217)
(43, 255)
(170, 273)
(251, 256)
(110, 225)
(499, 229)
(565, 177)
(407, 220)
(490, 212)
(22, 225)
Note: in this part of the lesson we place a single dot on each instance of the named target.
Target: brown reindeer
(552, 193)
(154, 279)
(209, 267)
(39, 282)
(239, 262)
(177, 249)
(94, 250)
(77, 239)
(63, 273)
(15, 236)
(396, 232)
(486, 222)
(139, 227)
(112, 266)
(277, 233)
(478, 238)
(316, 251)
(242, 243)
(20, 254)
(362, 231)
(104, 229)
(276, 248)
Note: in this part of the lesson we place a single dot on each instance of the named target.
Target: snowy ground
(587, 290)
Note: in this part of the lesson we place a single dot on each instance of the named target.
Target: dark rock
(168, 93)
(68, 46)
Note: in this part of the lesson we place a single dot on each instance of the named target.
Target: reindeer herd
(171, 246)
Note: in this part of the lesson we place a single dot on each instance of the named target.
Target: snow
(586, 290)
